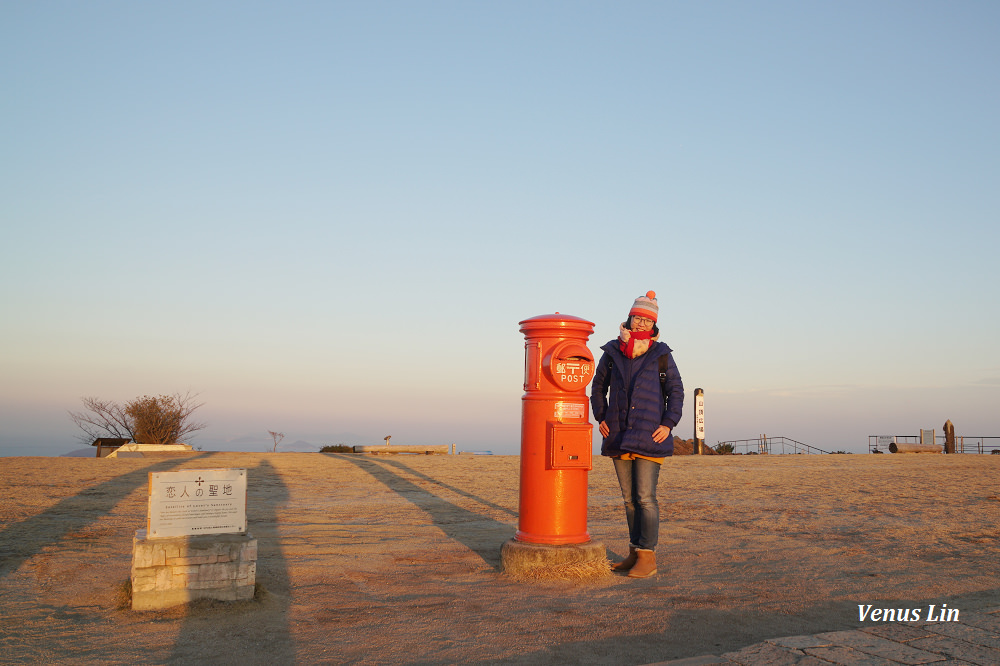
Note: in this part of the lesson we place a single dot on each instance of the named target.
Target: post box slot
(570, 366)
(571, 349)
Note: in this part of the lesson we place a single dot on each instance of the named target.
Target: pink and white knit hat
(645, 306)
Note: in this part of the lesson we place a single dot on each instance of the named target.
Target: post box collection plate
(570, 411)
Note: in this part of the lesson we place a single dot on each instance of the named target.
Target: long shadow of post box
(457, 491)
(465, 526)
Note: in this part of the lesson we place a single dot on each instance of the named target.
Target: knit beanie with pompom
(645, 306)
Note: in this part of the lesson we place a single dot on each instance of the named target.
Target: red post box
(556, 434)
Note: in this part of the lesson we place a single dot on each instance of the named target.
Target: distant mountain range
(88, 452)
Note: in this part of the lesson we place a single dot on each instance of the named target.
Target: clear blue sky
(328, 218)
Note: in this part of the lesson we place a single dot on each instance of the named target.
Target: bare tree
(277, 437)
(166, 419)
(102, 418)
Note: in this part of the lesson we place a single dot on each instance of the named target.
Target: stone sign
(949, 437)
(197, 501)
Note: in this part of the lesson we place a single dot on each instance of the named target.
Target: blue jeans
(637, 479)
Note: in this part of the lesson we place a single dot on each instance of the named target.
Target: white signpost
(197, 501)
(699, 422)
(699, 416)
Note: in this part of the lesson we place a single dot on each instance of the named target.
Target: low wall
(150, 448)
(175, 570)
(915, 448)
(382, 449)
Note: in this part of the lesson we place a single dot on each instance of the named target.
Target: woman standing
(636, 419)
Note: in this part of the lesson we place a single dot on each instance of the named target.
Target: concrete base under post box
(175, 570)
(537, 561)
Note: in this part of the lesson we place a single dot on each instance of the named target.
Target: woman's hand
(660, 434)
(605, 430)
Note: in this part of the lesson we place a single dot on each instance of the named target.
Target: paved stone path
(974, 639)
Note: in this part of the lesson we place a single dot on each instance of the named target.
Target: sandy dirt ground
(395, 559)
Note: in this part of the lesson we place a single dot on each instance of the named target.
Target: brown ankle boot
(645, 565)
(627, 563)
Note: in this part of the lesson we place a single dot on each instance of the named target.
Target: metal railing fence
(771, 445)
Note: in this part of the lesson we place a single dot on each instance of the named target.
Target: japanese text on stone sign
(185, 502)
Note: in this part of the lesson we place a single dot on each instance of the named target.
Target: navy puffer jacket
(635, 406)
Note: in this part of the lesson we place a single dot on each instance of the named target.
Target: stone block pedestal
(536, 561)
(175, 570)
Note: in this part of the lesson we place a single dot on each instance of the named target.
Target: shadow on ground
(214, 632)
(72, 514)
(471, 529)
